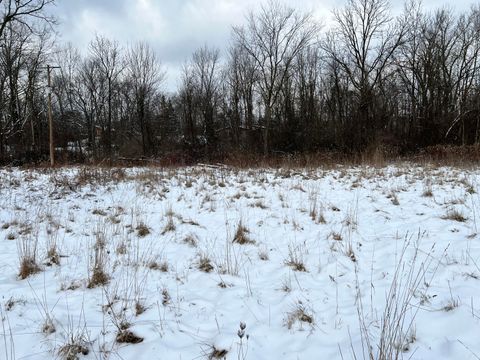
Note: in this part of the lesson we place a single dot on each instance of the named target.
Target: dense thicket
(285, 84)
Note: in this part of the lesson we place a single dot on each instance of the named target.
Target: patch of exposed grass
(205, 264)
(299, 314)
(241, 235)
(454, 215)
(142, 230)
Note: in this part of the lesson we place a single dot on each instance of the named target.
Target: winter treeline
(285, 84)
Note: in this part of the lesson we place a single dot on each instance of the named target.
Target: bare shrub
(397, 321)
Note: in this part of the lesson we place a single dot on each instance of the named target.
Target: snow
(371, 217)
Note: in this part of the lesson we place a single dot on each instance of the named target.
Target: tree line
(285, 84)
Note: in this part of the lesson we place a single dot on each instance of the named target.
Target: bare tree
(145, 75)
(188, 110)
(241, 80)
(23, 11)
(363, 43)
(273, 37)
(106, 55)
(205, 63)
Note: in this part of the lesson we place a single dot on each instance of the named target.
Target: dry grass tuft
(190, 240)
(241, 235)
(427, 192)
(295, 259)
(300, 315)
(205, 264)
(99, 276)
(28, 267)
(454, 215)
(76, 344)
(336, 236)
(263, 255)
(142, 230)
(71, 351)
(128, 337)
(170, 226)
(166, 298)
(350, 253)
(27, 250)
(259, 204)
(139, 308)
(216, 353)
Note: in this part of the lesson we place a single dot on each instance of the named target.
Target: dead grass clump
(71, 351)
(336, 236)
(205, 264)
(142, 230)
(259, 204)
(48, 326)
(121, 248)
(321, 217)
(241, 235)
(216, 353)
(128, 337)
(190, 222)
(190, 240)
(427, 191)
(11, 302)
(350, 253)
(53, 257)
(454, 215)
(166, 298)
(263, 255)
(76, 344)
(159, 266)
(163, 266)
(27, 250)
(170, 226)
(99, 276)
(299, 314)
(99, 212)
(295, 259)
(393, 198)
(451, 305)
(28, 267)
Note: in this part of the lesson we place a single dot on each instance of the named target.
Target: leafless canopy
(21, 10)
(274, 37)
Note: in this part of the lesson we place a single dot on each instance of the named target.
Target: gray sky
(175, 28)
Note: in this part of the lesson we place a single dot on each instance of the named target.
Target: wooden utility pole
(50, 120)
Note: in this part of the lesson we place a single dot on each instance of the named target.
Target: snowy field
(202, 263)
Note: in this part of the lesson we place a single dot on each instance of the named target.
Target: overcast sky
(175, 28)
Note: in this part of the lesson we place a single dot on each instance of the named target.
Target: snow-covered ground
(313, 263)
